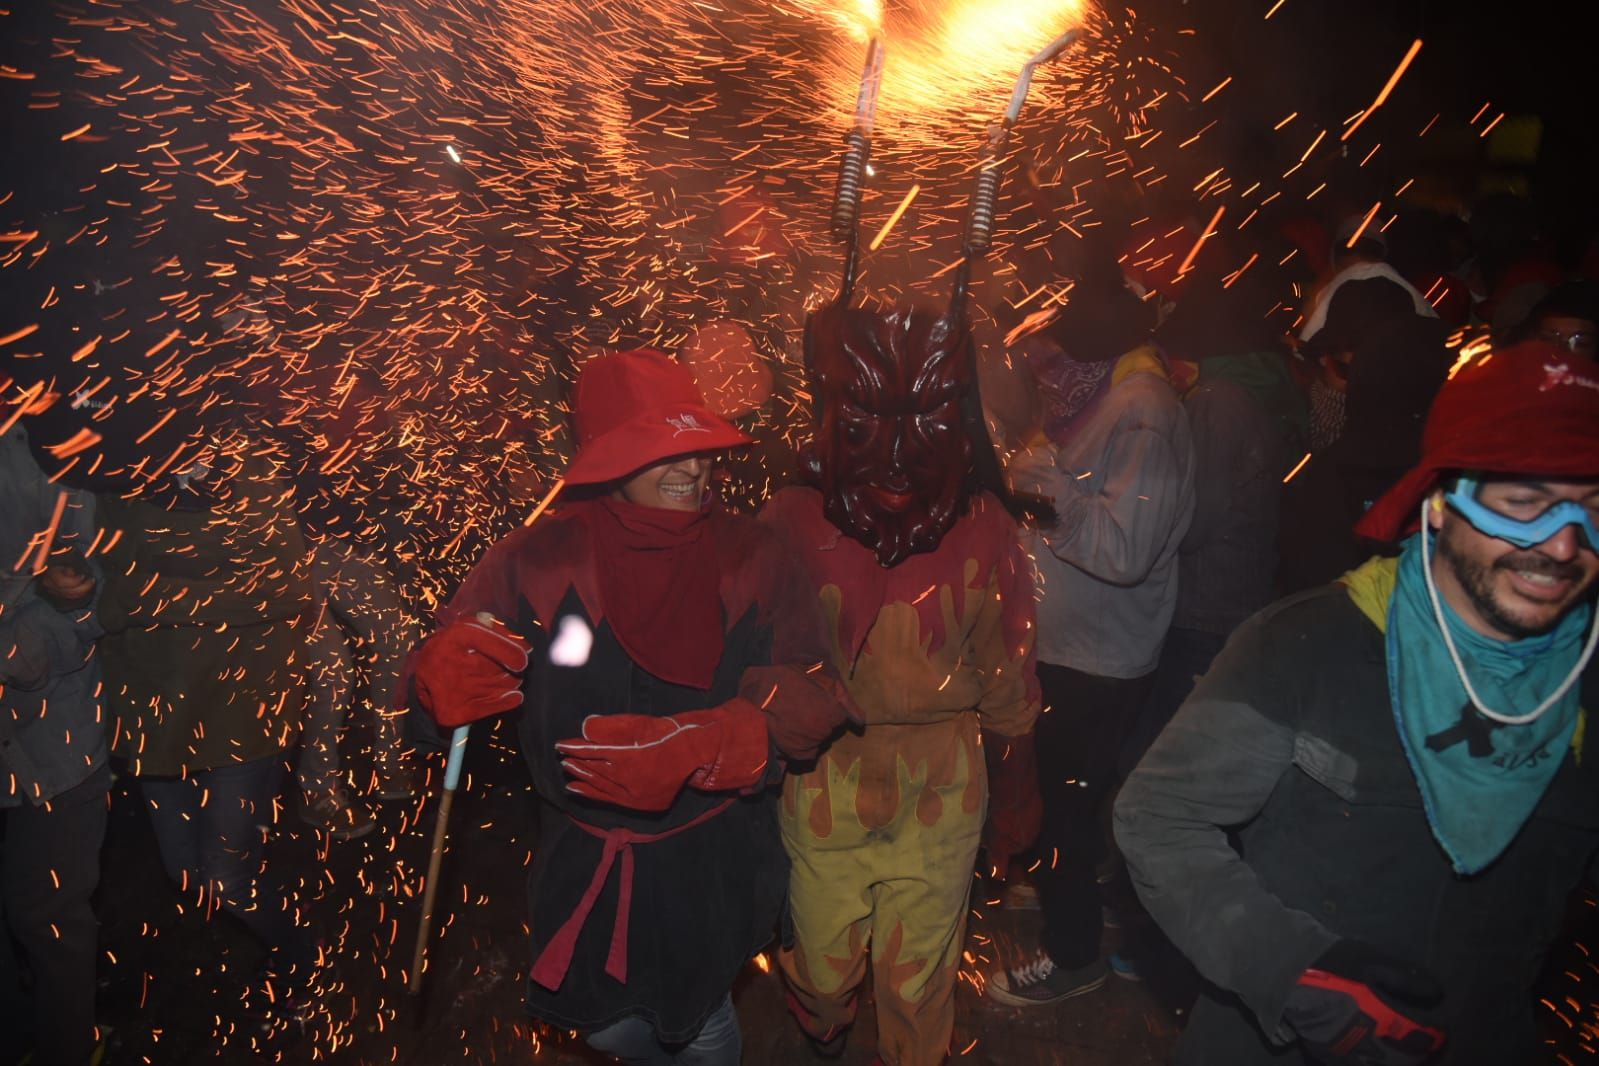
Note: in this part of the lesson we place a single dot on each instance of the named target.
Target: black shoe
(395, 776)
(332, 812)
(832, 1045)
(281, 1003)
(1039, 981)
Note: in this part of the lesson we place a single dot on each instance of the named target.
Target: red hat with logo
(1530, 410)
(633, 409)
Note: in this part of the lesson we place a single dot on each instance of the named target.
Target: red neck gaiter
(660, 588)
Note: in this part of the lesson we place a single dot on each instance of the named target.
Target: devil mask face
(895, 458)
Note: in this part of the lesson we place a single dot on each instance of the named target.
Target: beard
(1477, 580)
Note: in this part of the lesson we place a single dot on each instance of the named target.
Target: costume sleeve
(804, 701)
(1214, 767)
(490, 586)
(1117, 533)
(1003, 643)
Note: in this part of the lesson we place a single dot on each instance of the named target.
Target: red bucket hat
(636, 408)
(1531, 410)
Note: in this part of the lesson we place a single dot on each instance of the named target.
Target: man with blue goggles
(1407, 760)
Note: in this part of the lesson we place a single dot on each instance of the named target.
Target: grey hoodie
(1123, 487)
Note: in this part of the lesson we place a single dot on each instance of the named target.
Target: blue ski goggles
(1523, 534)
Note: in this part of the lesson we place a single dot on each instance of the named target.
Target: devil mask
(893, 453)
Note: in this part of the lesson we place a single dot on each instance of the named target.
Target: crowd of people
(1265, 608)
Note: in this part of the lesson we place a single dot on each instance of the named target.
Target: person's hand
(471, 669)
(1033, 471)
(1015, 809)
(1349, 1007)
(641, 762)
(67, 581)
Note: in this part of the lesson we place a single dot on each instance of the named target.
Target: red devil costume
(929, 604)
(672, 659)
(929, 600)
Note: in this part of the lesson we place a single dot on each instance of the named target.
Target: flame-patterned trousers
(883, 834)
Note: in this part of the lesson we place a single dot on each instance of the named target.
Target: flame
(956, 60)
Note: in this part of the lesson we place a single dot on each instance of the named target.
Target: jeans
(1079, 742)
(218, 846)
(632, 1042)
(360, 611)
(55, 926)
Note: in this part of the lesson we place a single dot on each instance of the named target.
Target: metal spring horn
(985, 197)
(852, 170)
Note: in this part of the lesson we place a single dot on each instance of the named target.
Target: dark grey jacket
(1291, 741)
(1228, 557)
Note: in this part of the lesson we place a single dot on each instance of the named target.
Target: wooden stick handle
(441, 829)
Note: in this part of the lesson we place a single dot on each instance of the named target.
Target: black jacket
(707, 897)
(1291, 741)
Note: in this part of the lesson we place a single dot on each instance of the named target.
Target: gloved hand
(641, 762)
(1015, 808)
(471, 669)
(1346, 1008)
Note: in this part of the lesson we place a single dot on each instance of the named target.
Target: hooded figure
(667, 658)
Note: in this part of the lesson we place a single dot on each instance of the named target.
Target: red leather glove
(471, 669)
(1344, 1008)
(1015, 809)
(642, 762)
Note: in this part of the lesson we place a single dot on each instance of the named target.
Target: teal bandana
(1480, 780)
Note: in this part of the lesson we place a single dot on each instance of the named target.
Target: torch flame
(946, 60)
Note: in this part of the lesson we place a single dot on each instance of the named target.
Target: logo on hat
(685, 423)
(82, 400)
(1561, 374)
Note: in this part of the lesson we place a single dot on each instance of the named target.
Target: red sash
(549, 969)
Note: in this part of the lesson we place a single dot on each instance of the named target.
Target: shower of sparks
(368, 246)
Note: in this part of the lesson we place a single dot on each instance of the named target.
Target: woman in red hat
(663, 651)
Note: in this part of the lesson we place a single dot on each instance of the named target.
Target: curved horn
(985, 197)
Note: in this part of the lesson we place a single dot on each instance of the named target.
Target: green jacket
(206, 616)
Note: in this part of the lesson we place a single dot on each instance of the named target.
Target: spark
(1388, 87)
(1209, 231)
(882, 234)
(1354, 238)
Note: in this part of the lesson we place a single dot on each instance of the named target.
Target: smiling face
(1506, 592)
(674, 485)
(895, 456)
